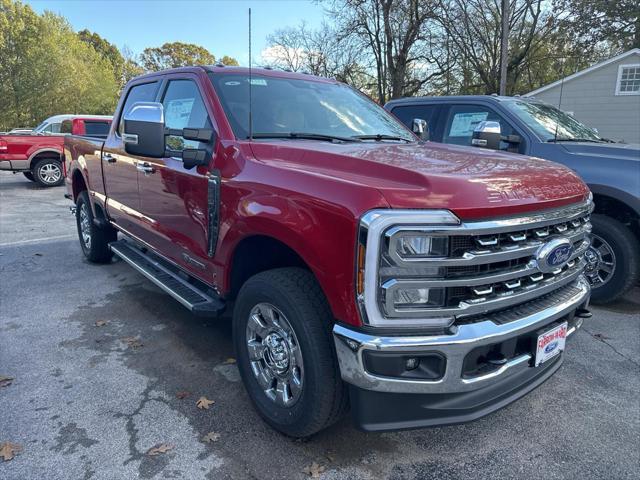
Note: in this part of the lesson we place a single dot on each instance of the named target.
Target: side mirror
(420, 128)
(487, 135)
(144, 130)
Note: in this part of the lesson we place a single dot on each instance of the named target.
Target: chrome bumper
(351, 344)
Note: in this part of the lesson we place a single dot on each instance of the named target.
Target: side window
(145, 92)
(55, 128)
(407, 113)
(66, 127)
(463, 119)
(184, 108)
(96, 129)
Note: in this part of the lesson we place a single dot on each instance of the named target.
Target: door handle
(145, 168)
(106, 157)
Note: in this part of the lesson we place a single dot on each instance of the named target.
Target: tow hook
(72, 209)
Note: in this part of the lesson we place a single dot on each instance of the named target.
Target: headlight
(392, 285)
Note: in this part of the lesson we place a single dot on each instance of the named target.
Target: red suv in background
(38, 154)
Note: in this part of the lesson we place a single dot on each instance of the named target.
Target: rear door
(173, 199)
(120, 168)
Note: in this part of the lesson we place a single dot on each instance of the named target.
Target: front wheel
(48, 172)
(94, 240)
(284, 346)
(613, 259)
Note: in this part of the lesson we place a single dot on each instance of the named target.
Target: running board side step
(195, 299)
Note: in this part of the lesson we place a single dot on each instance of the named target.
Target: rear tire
(298, 336)
(613, 260)
(29, 176)
(47, 172)
(94, 240)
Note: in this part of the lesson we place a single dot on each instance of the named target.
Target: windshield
(40, 127)
(545, 119)
(304, 108)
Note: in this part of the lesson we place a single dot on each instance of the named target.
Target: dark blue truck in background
(530, 127)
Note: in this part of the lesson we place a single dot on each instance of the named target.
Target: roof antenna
(250, 82)
(555, 136)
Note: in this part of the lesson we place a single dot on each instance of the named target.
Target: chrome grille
(491, 265)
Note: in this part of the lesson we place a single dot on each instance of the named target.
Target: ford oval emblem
(551, 347)
(554, 254)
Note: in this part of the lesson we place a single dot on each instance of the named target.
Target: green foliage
(229, 61)
(46, 69)
(176, 54)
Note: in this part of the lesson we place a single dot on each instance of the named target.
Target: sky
(221, 26)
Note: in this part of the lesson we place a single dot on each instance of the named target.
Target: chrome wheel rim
(50, 173)
(274, 355)
(601, 262)
(85, 226)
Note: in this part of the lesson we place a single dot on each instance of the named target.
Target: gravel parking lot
(105, 367)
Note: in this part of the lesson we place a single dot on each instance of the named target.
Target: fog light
(418, 297)
(412, 363)
(416, 246)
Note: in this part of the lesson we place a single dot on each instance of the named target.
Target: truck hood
(619, 151)
(472, 182)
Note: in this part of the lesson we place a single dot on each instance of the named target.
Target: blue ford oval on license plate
(551, 343)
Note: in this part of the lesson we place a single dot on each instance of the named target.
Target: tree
(45, 69)
(229, 61)
(614, 23)
(130, 68)
(176, 54)
(400, 38)
(473, 28)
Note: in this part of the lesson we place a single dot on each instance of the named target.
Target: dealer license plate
(551, 343)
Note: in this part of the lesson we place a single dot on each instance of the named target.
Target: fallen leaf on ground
(182, 395)
(158, 449)
(9, 450)
(5, 381)
(204, 402)
(100, 323)
(601, 336)
(133, 342)
(211, 437)
(230, 360)
(314, 470)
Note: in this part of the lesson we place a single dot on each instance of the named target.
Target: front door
(119, 168)
(173, 199)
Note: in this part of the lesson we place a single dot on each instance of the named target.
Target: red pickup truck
(37, 154)
(421, 283)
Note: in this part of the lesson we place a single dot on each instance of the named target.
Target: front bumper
(382, 402)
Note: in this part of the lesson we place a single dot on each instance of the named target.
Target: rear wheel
(94, 240)
(284, 346)
(29, 176)
(47, 172)
(613, 259)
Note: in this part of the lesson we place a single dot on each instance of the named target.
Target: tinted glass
(66, 126)
(284, 105)
(407, 113)
(547, 121)
(463, 119)
(145, 92)
(96, 129)
(184, 108)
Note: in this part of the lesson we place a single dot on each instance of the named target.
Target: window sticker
(177, 112)
(464, 123)
(259, 81)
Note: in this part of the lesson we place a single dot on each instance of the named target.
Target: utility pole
(504, 47)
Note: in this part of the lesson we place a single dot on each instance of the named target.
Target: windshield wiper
(305, 136)
(554, 140)
(379, 137)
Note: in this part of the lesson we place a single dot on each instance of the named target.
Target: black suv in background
(530, 127)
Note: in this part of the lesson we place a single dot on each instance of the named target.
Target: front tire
(29, 176)
(613, 260)
(47, 172)
(94, 240)
(284, 346)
